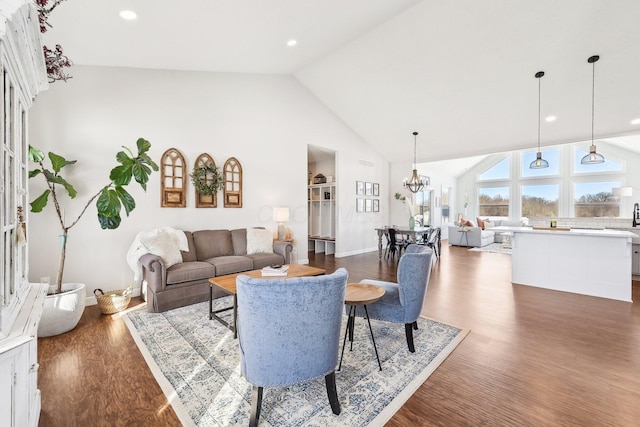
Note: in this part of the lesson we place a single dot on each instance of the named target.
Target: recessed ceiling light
(129, 15)
(550, 118)
(635, 121)
(292, 42)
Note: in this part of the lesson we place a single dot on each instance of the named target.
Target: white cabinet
(635, 259)
(19, 394)
(322, 217)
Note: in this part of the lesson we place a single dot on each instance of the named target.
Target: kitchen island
(582, 261)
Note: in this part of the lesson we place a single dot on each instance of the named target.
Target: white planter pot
(62, 312)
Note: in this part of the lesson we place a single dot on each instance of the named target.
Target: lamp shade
(623, 191)
(281, 214)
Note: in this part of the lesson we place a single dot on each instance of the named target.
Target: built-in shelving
(322, 217)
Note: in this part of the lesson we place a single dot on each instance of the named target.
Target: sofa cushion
(231, 264)
(191, 254)
(263, 260)
(239, 239)
(259, 241)
(480, 223)
(190, 271)
(212, 243)
(489, 224)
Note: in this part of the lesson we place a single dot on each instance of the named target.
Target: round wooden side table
(360, 294)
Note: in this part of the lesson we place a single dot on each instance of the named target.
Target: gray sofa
(475, 237)
(211, 253)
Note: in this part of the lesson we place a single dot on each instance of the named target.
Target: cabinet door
(635, 259)
(7, 373)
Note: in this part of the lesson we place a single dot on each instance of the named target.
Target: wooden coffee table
(227, 286)
(355, 295)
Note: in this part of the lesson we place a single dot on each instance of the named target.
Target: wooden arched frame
(173, 174)
(232, 183)
(205, 200)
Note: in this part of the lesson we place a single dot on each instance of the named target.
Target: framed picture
(368, 188)
(368, 205)
(359, 205)
(359, 188)
(376, 205)
(376, 189)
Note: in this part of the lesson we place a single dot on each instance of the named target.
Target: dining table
(409, 233)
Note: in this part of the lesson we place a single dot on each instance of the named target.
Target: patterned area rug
(493, 247)
(197, 363)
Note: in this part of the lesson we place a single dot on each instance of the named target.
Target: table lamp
(281, 215)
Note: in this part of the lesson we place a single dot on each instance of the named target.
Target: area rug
(196, 361)
(493, 247)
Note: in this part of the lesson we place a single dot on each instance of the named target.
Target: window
(552, 155)
(540, 201)
(595, 199)
(493, 201)
(498, 171)
(423, 202)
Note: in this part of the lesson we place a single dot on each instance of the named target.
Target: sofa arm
(154, 272)
(283, 248)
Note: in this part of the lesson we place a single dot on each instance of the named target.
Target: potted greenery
(110, 199)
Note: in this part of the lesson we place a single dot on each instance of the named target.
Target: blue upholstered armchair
(402, 301)
(289, 332)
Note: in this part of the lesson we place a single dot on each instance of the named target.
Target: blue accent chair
(289, 332)
(402, 301)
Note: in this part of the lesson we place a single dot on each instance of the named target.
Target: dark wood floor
(533, 358)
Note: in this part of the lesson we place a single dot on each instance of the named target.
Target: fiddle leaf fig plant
(111, 198)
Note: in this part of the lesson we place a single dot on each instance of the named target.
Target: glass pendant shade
(592, 158)
(539, 162)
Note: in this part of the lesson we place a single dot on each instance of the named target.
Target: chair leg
(256, 404)
(332, 392)
(415, 325)
(408, 329)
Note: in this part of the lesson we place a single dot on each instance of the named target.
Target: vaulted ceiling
(460, 72)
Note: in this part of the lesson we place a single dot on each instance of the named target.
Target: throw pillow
(480, 223)
(489, 224)
(259, 241)
(164, 245)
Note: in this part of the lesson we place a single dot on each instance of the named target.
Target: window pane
(551, 155)
(607, 166)
(498, 171)
(540, 201)
(595, 199)
(493, 201)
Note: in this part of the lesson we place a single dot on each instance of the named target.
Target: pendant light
(539, 162)
(592, 158)
(415, 183)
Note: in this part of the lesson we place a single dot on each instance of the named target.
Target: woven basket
(113, 301)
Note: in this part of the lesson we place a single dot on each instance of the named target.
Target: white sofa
(475, 237)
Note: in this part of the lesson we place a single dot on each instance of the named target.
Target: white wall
(265, 121)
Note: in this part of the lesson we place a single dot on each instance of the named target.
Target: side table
(465, 232)
(355, 295)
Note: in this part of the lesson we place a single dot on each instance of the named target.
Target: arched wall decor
(174, 180)
(206, 200)
(232, 183)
